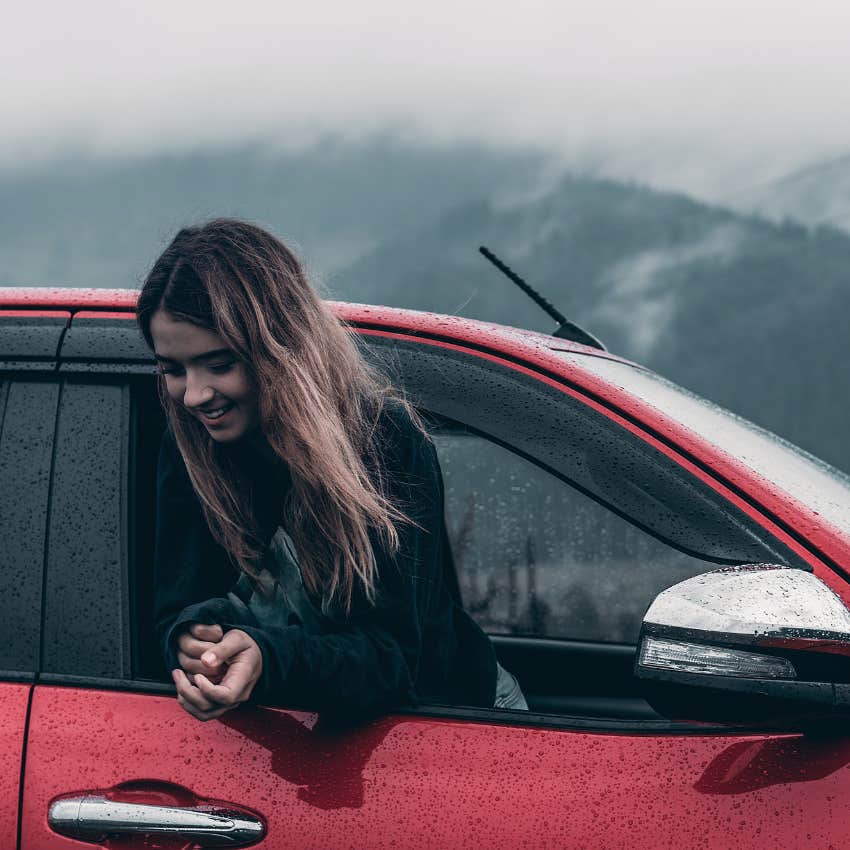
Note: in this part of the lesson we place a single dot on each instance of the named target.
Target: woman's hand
(241, 661)
(192, 644)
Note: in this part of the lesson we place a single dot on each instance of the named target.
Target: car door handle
(92, 818)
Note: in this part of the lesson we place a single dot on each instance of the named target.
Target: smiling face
(205, 376)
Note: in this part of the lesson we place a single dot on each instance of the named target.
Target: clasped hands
(218, 670)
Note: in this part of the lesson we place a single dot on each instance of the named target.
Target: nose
(197, 391)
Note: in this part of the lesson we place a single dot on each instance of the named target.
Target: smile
(212, 415)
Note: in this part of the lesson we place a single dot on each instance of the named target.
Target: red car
(581, 491)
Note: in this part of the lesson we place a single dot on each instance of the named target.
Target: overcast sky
(704, 96)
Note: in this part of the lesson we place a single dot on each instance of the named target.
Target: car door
(588, 766)
(29, 341)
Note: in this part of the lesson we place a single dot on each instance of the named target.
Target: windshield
(810, 480)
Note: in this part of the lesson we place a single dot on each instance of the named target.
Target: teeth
(214, 414)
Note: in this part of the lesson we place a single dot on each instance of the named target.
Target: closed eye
(216, 368)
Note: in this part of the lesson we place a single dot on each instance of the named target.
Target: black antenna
(566, 329)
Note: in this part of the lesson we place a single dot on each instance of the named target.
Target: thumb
(233, 642)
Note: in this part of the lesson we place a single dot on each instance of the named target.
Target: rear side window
(85, 602)
(27, 419)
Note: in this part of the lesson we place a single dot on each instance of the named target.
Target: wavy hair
(319, 404)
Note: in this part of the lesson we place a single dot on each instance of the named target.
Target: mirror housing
(758, 642)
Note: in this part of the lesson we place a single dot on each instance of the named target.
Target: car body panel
(14, 698)
(409, 781)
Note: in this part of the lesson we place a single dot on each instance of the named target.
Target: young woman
(301, 551)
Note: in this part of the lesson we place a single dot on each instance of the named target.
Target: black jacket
(416, 644)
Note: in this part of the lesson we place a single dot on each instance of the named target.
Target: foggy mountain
(742, 310)
(96, 223)
(739, 309)
(818, 195)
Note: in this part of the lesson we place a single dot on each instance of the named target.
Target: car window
(85, 606)
(536, 557)
(27, 416)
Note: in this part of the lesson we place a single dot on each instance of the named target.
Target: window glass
(84, 605)
(537, 557)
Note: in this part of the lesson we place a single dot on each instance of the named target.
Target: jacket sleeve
(189, 566)
(369, 663)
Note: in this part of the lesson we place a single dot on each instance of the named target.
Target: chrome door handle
(92, 818)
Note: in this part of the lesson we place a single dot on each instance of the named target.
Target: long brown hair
(319, 404)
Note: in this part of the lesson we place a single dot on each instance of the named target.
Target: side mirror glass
(753, 642)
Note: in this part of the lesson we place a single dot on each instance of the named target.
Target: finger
(235, 687)
(196, 703)
(233, 642)
(190, 694)
(201, 631)
(215, 679)
(195, 665)
(191, 666)
(201, 715)
(192, 646)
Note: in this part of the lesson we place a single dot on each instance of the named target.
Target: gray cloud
(639, 298)
(706, 96)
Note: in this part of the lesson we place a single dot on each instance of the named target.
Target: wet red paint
(749, 765)
(34, 314)
(104, 314)
(13, 714)
(57, 296)
(404, 782)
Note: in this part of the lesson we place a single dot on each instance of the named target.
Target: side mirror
(758, 642)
